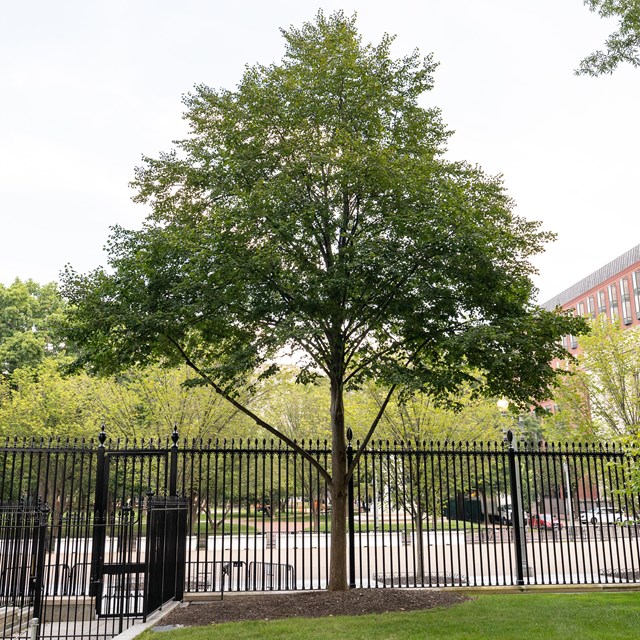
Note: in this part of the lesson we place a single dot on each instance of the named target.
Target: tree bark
(338, 489)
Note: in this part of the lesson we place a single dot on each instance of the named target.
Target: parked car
(506, 515)
(544, 521)
(603, 514)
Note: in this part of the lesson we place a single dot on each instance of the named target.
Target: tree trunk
(339, 494)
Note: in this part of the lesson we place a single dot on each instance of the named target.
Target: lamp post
(517, 506)
(568, 504)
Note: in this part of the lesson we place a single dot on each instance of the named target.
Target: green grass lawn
(602, 616)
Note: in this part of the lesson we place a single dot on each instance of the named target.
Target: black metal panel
(166, 548)
(23, 531)
(126, 481)
(22, 536)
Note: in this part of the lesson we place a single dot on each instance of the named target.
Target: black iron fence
(88, 529)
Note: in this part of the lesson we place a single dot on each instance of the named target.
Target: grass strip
(598, 616)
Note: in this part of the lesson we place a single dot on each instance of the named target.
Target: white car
(603, 514)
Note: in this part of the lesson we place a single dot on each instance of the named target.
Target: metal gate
(166, 549)
(23, 530)
(139, 535)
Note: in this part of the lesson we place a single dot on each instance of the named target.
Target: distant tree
(302, 414)
(43, 402)
(623, 45)
(421, 418)
(150, 402)
(40, 402)
(420, 422)
(311, 210)
(301, 411)
(572, 418)
(29, 314)
(601, 401)
(604, 393)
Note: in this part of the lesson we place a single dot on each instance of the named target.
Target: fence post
(177, 524)
(173, 463)
(99, 520)
(351, 515)
(517, 510)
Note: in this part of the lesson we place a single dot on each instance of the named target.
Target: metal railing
(259, 518)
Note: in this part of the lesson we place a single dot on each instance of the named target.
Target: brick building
(613, 291)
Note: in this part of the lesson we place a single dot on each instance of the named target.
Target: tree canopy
(311, 211)
(623, 45)
(602, 398)
(29, 316)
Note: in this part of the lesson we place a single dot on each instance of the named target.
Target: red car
(544, 521)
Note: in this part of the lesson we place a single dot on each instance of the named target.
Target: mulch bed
(315, 604)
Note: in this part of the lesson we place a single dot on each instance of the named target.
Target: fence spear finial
(174, 435)
(102, 436)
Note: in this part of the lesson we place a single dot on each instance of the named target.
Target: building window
(602, 304)
(626, 301)
(613, 302)
(636, 291)
(581, 311)
(565, 342)
(574, 342)
(591, 307)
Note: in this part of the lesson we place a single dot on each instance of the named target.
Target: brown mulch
(315, 604)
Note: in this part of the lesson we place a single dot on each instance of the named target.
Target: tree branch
(369, 435)
(261, 423)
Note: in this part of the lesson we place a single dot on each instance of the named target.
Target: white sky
(87, 87)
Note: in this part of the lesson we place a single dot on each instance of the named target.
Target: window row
(619, 304)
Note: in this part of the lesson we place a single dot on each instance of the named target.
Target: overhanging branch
(369, 435)
(259, 421)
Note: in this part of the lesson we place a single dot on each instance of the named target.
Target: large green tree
(623, 45)
(311, 211)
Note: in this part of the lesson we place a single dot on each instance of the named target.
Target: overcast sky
(87, 87)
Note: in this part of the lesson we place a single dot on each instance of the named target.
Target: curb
(136, 629)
